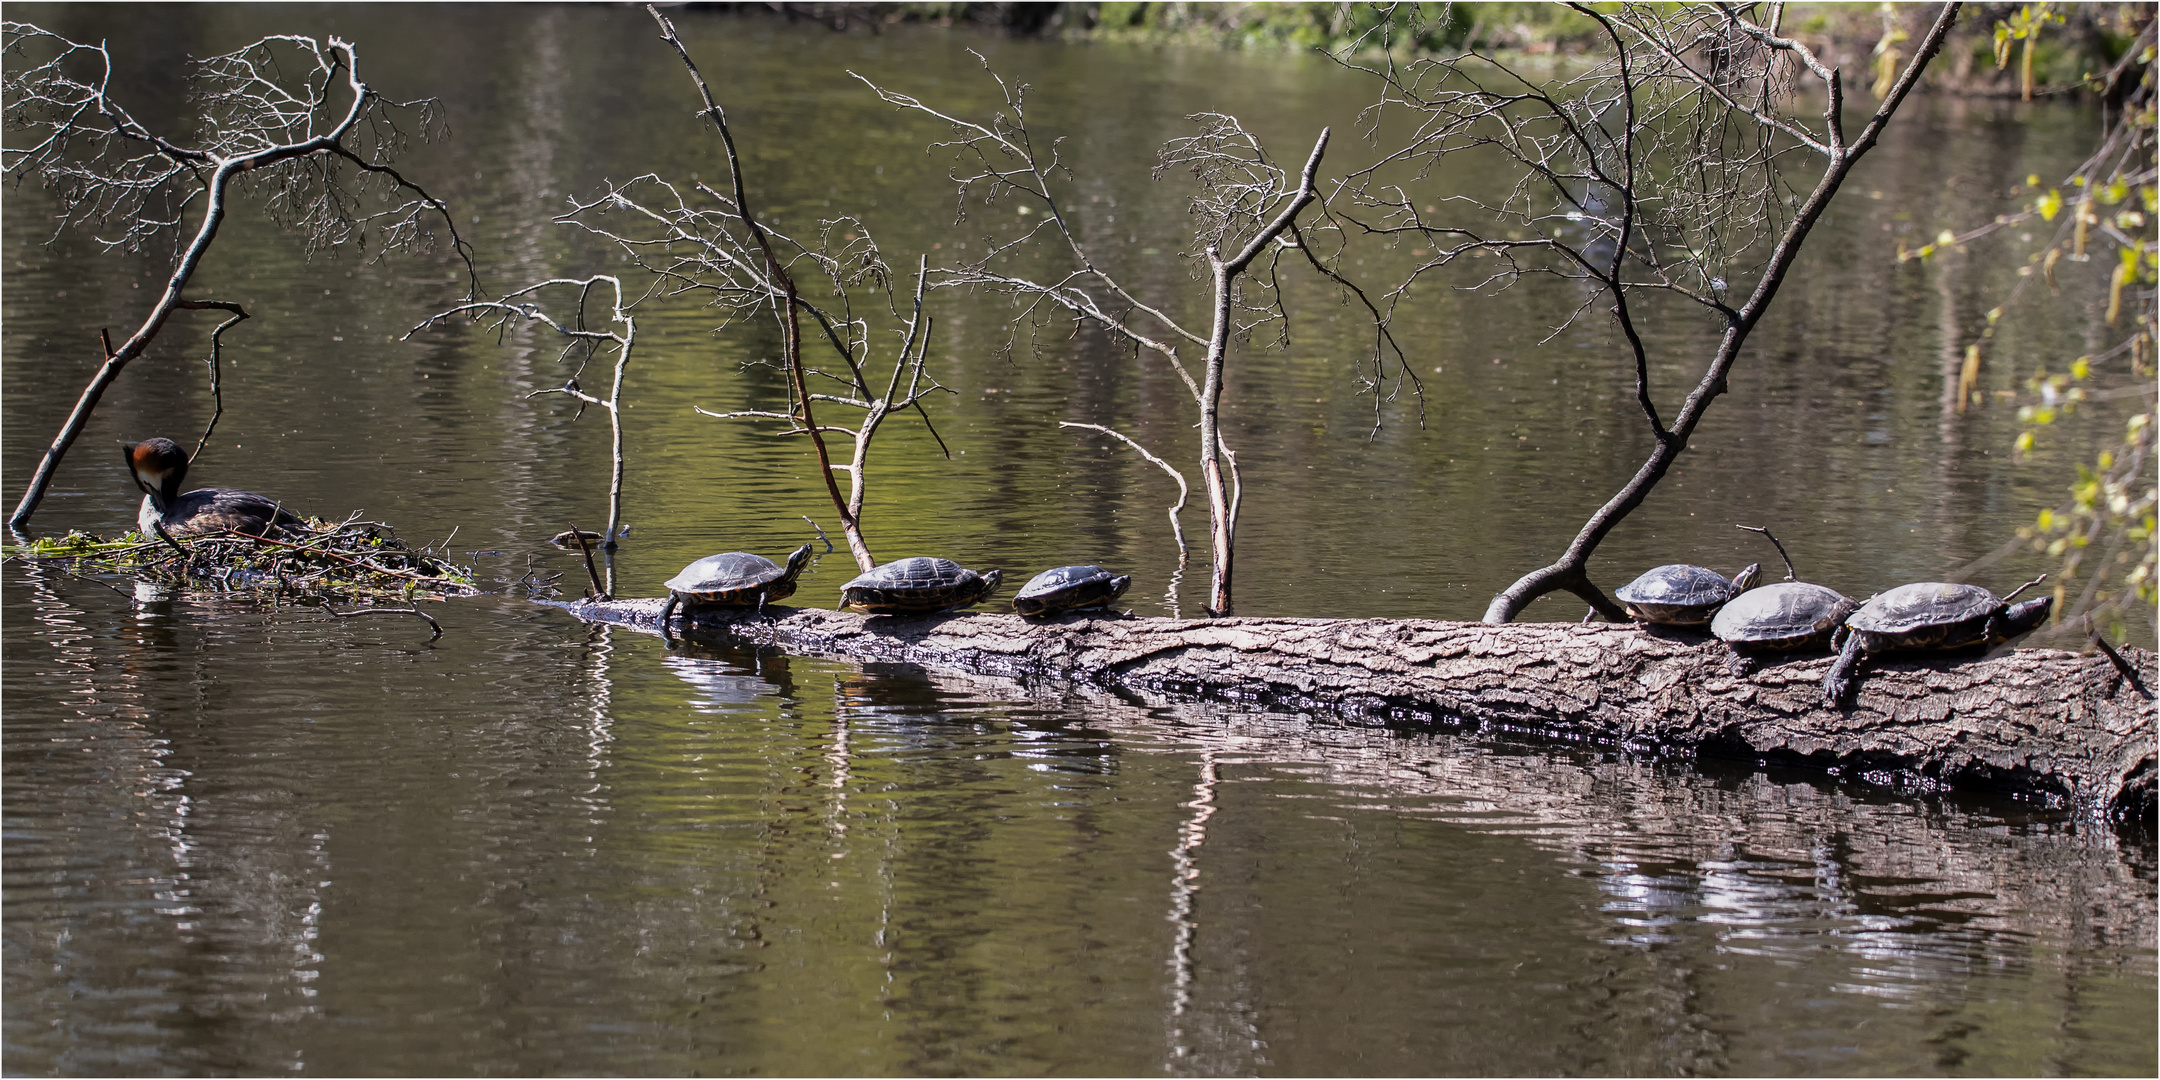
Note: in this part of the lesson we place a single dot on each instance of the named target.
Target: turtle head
(2026, 617)
(797, 561)
(1745, 579)
(991, 579)
(1118, 585)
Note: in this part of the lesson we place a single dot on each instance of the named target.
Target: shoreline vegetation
(1998, 50)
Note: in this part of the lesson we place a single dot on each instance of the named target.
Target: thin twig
(217, 339)
(159, 528)
(1183, 490)
(2115, 658)
(598, 592)
(2012, 595)
(1790, 573)
(413, 610)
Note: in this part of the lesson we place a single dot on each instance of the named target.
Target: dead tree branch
(1184, 491)
(581, 347)
(1659, 175)
(1247, 209)
(217, 375)
(287, 116)
(706, 242)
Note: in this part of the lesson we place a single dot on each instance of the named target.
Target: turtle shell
(917, 585)
(1068, 587)
(1680, 594)
(739, 578)
(1784, 616)
(1931, 614)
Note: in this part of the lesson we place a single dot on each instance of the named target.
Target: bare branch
(522, 307)
(283, 115)
(217, 340)
(1740, 208)
(719, 246)
(1244, 206)
(1177, 530)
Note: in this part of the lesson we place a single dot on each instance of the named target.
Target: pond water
(243, 840)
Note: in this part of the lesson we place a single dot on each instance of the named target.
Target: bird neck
(166, 491)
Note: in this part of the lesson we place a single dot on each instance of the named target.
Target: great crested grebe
(159, 465)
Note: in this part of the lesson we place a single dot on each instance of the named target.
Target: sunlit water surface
(242, 840)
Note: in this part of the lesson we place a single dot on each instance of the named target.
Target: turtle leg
(1739, 663)
(772, 632)
(1843, 674)
(667, 612)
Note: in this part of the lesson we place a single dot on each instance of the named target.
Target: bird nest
(318, 562)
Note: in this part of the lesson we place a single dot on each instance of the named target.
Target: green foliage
(2023, 27)
(2044, 48)
(2104, 212)
(1418, 27)
(2054, 45)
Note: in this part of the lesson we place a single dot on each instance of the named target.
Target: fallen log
(2064, 729)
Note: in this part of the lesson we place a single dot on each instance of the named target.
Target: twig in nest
(361, 563)
(413, 610)
(159, 527)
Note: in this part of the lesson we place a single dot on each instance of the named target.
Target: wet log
(2056, 726)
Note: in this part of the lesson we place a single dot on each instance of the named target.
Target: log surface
(2064, 727)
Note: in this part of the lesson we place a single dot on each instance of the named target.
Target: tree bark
(2063, 727)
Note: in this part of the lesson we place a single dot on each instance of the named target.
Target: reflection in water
(1843, 901)
(1184, 887)
(229, 920)
(599, 725)
(721, 681)
(647, 860)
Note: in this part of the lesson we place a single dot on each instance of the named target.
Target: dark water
(243, 840)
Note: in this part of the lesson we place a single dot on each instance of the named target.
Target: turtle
(918, 585)
(1682, 595)
(1067, 588)
(1785, 616)
(1930, 616)
(734, 579)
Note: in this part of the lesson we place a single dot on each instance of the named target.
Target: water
(249, 840)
